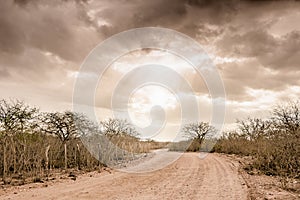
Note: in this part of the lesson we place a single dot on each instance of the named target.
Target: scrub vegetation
(35, 144)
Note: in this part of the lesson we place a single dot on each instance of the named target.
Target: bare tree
(118, 127)
(122, 135)
(198, 131)
(31, 141)
(287, 117)
(82, 124)
(254, 128)
(62, 125)
(15, 118)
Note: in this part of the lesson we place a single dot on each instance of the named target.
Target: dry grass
(274, 144)
(35, 144)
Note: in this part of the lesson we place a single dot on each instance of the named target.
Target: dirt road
(189, 177)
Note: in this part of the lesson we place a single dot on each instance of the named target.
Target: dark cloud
(238, 77)
(250, 44)
(51, 27)
(284, 54)
(41, 40)
(189, 17)
(276, 53)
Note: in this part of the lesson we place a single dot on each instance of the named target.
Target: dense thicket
(32, 144)
(274, 143)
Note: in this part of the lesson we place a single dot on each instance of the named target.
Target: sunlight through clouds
(146, 97)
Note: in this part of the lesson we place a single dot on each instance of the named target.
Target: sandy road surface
(189, 177)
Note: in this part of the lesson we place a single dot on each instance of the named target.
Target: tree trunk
(99, 155)
(78, 157)
(66, 157)
(199, 143)
(22, 166)
(4, 160)
(14, 155)
(75, 155)
(47, 159)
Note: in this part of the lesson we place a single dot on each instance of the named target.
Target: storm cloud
(254, 44)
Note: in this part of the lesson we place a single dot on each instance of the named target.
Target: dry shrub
(35, 144)
(192, 145)
(274, 144)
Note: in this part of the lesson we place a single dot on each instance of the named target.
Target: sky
(255, 45)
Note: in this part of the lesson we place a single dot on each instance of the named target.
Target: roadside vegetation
(34, 144)
(273, 143)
